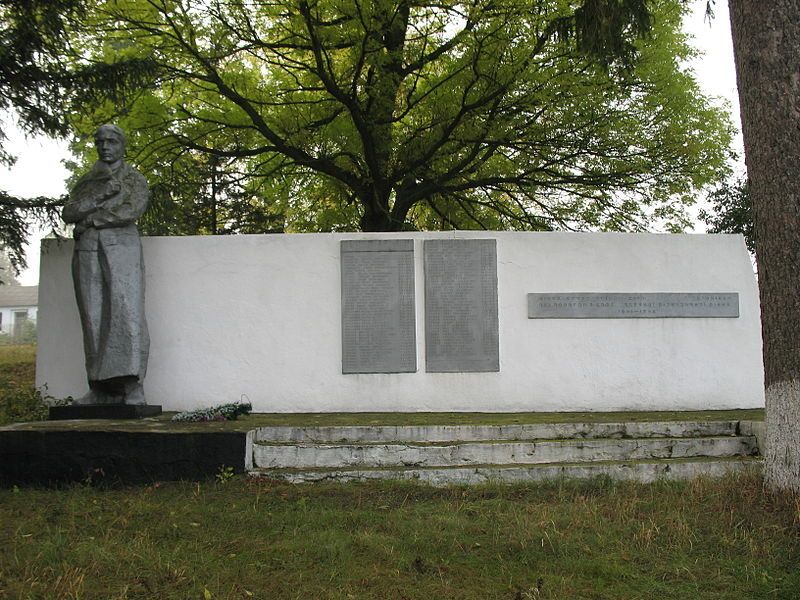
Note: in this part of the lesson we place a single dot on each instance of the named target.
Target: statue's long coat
(108, 270)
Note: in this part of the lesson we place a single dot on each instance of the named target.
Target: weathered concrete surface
(498, 453)
(452, 433)
(757, 429)
(442, 455)
(642, 472)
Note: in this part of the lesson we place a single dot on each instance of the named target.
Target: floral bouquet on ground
(223, 412)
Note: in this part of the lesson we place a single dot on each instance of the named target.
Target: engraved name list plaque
(378, 325)
(461, 323)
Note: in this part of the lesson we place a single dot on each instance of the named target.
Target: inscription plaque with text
(461, 323)
(658, 305)
(378, 325)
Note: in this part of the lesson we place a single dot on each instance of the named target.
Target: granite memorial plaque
(659, 305)
(378, 325)
(461, 324)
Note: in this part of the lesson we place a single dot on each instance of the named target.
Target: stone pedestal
(104, 411)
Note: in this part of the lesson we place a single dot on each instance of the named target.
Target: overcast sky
(39, 170)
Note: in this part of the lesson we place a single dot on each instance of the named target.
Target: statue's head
(109, 140)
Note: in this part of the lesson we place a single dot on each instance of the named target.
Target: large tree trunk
(376, 215)
(766, 41)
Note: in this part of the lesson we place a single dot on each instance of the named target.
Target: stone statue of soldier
(108, 272)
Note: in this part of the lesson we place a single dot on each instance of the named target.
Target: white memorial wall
(259, 318)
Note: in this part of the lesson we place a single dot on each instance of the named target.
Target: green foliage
(32, 86)
(7, 276)
(721, 540)
(32, 72)
(224, 475)
(605, 29)
(26, 335)
(43, 77)
(731, 211)
(19, 399)
(223, 412)
(42, 71)
(203, 194)
(331, 115)
(16, 217)
(328, 115)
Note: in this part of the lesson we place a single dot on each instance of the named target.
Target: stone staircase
(459, 454)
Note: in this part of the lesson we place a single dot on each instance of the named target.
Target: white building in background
(18, 305)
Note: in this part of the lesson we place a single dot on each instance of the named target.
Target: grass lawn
(19, 399)
(235, 538)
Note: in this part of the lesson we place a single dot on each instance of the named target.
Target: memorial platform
(104, 411)
(438, 448)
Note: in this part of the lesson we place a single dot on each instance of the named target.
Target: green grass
(19, 399)
(237, 538)
(13, 355)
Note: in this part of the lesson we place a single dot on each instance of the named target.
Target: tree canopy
(731, 211)
(31, 77)
(393, 114)
(41, 78)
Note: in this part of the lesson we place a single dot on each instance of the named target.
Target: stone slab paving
(473, 453)
(641, 472)
(456, 454)
(451, 433)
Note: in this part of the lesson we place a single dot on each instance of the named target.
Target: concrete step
(466, 433)
(491, 452)
(645, 472)
(456, 454)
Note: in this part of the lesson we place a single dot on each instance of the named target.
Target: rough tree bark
(766, 41)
